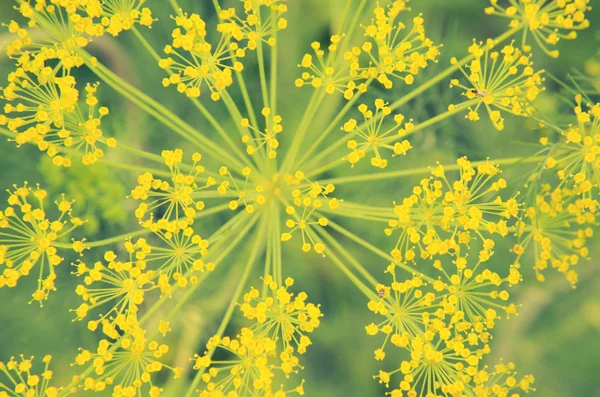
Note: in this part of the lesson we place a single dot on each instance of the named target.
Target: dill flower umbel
(305, 202)
(241, 195)
(556, 228)
(575, 157)
(372, 136)
(548, 21)
(126, 365)
(175, 198)
(44, 109)
(281, 318)
(249, 368)
(29, 238)
(500, 81)
(18, 380)
(123, 287)
(440, 215)
(394, 52)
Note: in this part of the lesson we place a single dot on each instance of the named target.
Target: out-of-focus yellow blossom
(44, 110)
(548, 21)
(195, 62)
(503, 381)
(393, 51)
(323, 73)
(499, 81)
(118, 287)
(441, 215)
(373, 136)
(576, 157)
(172, 201)
(126, 365)
(305, 203)
(120, 15)
(19, 381)
(556, 229)
(266, 139)
(65, 29)
(249, 366)
(263, 19)
(245, 194)
(281, 316)
(29, 238)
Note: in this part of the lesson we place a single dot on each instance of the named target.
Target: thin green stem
(258, 246)
(419, 127)
(375, 250)
(377, 176)
(158, 111)
(195, 101)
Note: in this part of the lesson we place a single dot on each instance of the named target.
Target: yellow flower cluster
(46, 110)
(394, 52)
(20, 382)
(120, 285)
(43, 109)
(30, 238)
(443, 323)
(306, 202)
(193, 60)
(556, 228)
(499, 81)
(576, 156)
(389, 51)
(127, 365)
(249, 366)
(546, 20)
(441, 215)
(179, 260)
(262, 21)
(172, 201)
(334, 78)
(266, 139)
(374, 136)
(280, 316)
(120, 15)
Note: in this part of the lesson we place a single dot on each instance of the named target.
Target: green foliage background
(557, 335)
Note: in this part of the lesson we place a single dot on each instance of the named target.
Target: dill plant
(439, 292)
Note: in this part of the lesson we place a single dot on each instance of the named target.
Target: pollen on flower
(175, 199)
(30, 238)
(547, 21)
(499, 81)
(377, 136)
(44, 110)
